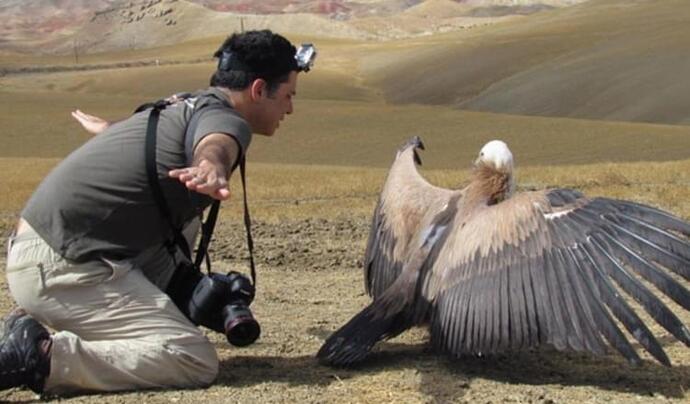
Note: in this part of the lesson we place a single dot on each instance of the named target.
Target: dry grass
(329, 130)
(279, 192)
(285, 192)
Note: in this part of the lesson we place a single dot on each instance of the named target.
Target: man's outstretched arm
(214, 157)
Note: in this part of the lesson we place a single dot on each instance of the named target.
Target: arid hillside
(604, 59)
(610, 60)
(600, 59)
(66, 26)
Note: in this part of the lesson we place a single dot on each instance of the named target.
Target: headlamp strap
(230, 61)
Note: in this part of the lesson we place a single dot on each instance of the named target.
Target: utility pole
(241, 24)
(75, 47)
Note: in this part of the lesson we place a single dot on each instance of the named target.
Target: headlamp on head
(305, 56)
(304, 60)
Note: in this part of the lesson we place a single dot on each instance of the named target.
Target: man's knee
(197, 360)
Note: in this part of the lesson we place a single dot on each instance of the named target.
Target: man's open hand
(204, 179)
(91, 123)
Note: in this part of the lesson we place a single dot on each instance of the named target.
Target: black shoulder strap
(210, 222)
(152, 175)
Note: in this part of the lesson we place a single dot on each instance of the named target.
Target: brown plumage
(491, 271)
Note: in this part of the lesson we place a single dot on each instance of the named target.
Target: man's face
(274, 106)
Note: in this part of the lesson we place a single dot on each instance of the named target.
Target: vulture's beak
(416, 158)
(416, 142)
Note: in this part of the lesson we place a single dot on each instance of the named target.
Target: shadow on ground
(444, 378)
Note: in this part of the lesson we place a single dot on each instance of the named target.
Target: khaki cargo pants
(116, 330)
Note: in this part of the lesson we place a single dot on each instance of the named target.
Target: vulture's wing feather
(406, 206)
(553, 267)
(398, 308)
(353, 341)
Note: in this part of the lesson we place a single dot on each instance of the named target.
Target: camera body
(217, 301)
(221, 303)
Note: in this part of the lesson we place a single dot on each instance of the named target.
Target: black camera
(219, 302)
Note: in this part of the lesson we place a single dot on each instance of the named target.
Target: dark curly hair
(245, 57)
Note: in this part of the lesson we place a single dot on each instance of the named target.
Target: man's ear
(258, 89)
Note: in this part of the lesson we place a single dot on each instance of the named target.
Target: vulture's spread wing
(550, 267)
(410, 218)
(407, 204)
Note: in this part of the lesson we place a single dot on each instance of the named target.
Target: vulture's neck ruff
(492, 175)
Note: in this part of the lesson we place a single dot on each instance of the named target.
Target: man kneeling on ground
(90, 256)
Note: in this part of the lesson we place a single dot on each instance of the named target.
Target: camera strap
(210, 222)
(152, 175)
(207, 229)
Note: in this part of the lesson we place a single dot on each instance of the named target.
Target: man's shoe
(22, 359)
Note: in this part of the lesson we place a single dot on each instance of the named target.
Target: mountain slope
(60, 26)
(170, 22)
(604, 59)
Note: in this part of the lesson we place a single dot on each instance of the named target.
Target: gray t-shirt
(97, 202)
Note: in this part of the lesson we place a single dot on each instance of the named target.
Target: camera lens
(241, 329)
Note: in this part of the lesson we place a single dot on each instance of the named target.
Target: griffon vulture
(490, 270)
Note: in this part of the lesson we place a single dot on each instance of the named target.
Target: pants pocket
(68, 274)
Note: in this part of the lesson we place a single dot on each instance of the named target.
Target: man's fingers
(217, 190)
(222, 194)
(178, 172)
(78, 115)
(187, 177)
(81, 116)
(202, 182)
(92, 124)
(194, 174)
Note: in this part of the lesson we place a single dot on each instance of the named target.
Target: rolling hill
(604, 59)
(614, 60)
(66, 26)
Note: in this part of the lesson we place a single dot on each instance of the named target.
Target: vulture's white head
(496, 155)
(493, 172)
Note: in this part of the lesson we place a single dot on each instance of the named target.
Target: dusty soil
(310, 283)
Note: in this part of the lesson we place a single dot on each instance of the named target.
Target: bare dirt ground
(310, 283)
